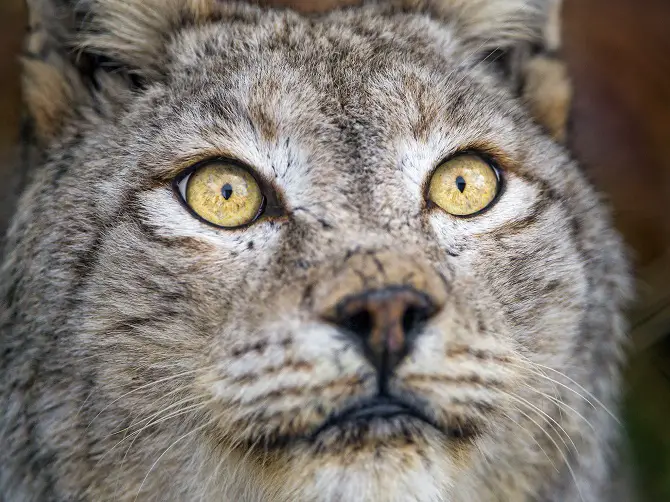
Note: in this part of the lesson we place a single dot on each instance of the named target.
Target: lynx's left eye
(223, 194)
(464, 185)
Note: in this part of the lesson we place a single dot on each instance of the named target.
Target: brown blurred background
(11, 30)
(618, 54)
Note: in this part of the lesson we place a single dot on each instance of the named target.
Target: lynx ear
(80, 51)
(520, 39)
(545, 84)
(528, 51)
(51, 82)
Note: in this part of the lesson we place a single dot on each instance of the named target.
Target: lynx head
(339, 256)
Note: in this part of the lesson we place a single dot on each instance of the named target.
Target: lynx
(266, 255)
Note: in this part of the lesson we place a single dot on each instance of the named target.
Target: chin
(372, 471)
(377, 452)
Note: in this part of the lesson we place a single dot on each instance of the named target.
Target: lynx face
(307, 258)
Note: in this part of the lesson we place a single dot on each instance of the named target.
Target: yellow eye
(464, 185)
(223, 194)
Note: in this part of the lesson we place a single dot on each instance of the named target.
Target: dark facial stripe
(516, 227)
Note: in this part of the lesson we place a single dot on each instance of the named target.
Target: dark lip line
(405, 408)
(347, 415)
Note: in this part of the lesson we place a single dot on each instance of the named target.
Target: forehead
(337, 65)
(387, 76)
(359, 36)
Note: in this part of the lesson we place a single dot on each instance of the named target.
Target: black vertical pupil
(460, 183)
(227, 191)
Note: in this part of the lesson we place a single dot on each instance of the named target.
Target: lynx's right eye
(222, 194)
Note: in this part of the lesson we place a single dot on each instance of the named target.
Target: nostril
(360, 323)
(414, 318)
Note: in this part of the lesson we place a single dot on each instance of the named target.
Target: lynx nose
(384, 321)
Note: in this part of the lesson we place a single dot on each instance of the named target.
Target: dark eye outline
(493, 165)
(270, 205)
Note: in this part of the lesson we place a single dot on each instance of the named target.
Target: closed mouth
(379, 407)
(389, 409)
(380, 419)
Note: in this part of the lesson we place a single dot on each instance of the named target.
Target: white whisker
(561, 404)
(560, 451)
(533, 438)
(137, 435)
(197, 429)
(155, 422)
(589, 394)
(172, 377)
(180, 402)
(213, 476)
(536, 372)
(546, 416)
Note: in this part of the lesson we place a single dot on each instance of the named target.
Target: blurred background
(618, 54)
